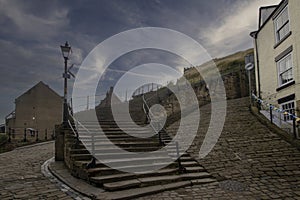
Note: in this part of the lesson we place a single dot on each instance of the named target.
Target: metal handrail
(78, 122)
(74, 132)
(145, 102)
(180, 167)
(148, 117)
(77, 134)
(92, 163)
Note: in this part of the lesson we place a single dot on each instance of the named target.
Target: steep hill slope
(228, 64)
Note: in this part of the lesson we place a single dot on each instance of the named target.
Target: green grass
(3, 138)
(3, 142)
(228, 64)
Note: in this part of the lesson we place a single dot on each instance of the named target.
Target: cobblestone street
(21, 176)
(249, 162)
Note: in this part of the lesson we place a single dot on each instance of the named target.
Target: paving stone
(21, 176)
(266, 164)
(247, 152)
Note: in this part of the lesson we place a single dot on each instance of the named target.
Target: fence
(29, 134)
(287, 121)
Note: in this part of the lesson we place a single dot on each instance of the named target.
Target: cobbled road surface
(21, 176)
(249, 162)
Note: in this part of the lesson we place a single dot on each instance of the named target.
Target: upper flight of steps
(170, 173)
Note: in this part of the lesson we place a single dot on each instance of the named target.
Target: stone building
(277, 55)
(111, 98)
(38, 109)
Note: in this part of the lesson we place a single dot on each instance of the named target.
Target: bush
(3, 139)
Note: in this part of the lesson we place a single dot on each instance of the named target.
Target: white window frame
(280, 72)
(290, 110)
(286, 24)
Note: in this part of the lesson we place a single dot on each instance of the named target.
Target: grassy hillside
(227, 64)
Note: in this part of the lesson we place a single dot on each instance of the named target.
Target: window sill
(285, 86)
(283, 39)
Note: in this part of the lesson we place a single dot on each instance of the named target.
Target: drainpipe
(254, 36)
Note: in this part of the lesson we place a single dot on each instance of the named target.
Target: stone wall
(236, 84)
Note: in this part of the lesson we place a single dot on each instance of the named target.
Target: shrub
(3, 139)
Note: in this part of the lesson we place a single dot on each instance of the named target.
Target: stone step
(110, 121)
(117, 141)
(100, 180)
(105, 149)
(101, 145)
(112, 150)
(155, 180)
(141, 145)
(139, 168)
(117, 155)
(187, 164)
(115, 137)
(105, 130)
(118, 135)
(115, 134)
(186, 159)
(191, 166)
(195, 169)
(143, 178)
(139, 192)
(102, 171)
(112, 126)
(124, 162)
(120, 185)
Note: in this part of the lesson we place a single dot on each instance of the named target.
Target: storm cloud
(32, 31)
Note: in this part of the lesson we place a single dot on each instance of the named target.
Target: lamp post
(66, 49)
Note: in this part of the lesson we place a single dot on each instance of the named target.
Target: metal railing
(29, 134)
(75, 130)
(162, 140)
(147, 111)
(278, 116)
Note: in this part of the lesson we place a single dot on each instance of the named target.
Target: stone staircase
(131, 176)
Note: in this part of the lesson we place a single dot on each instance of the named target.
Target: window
(285, 70)
(282, 25)
(290, 108)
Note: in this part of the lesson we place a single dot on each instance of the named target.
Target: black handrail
(145, 105)
(149, 119)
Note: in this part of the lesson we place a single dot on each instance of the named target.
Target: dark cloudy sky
(32, 31)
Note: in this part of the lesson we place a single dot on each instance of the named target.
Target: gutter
(254, 36)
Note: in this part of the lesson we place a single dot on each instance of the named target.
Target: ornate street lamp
(66, 50)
